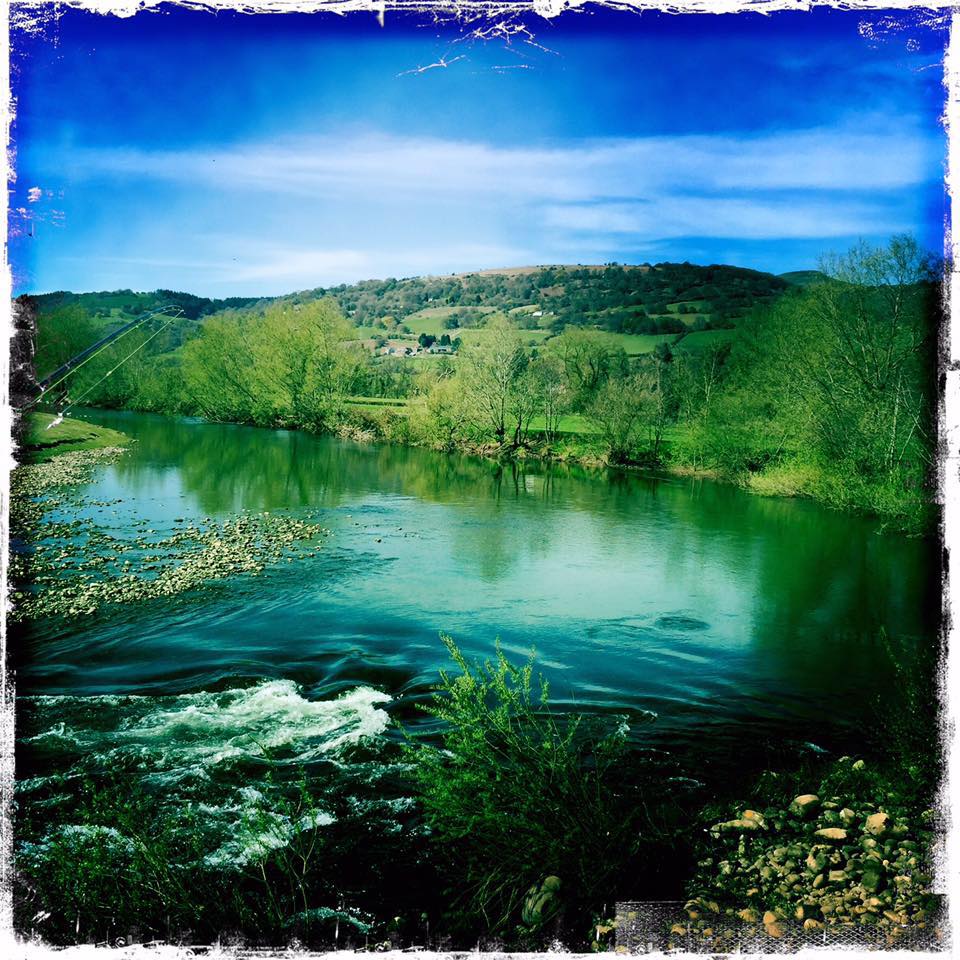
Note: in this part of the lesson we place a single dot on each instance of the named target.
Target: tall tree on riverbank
(287, 363)
(497, 381)
(838, 377)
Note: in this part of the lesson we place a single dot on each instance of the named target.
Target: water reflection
(711, 607)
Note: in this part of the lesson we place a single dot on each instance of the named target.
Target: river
(725, 628)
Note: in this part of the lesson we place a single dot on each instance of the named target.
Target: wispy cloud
(880, 153)
(760, 218)
(316, 211)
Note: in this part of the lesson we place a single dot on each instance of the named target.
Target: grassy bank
(42, 437)
(575, 438)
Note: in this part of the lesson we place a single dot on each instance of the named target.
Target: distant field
(635, 344)
(571, 423)
(702, 306)
(476, 334)
(702, 339)
(430, 320)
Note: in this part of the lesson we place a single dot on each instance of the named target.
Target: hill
(642, 299)
(645, 298)
(641, 304)
(803, 278)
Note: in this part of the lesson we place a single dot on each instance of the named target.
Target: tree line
(825, 391)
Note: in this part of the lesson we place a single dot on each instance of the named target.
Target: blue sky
(255, 155)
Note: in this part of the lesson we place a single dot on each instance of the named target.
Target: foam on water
(192, 733)
(190, 745)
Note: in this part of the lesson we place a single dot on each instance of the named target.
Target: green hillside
(642, 305)
(803, 278)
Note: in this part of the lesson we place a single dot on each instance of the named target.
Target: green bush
(517, 794)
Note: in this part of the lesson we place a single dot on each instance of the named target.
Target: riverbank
(899, 510)
(41, 438)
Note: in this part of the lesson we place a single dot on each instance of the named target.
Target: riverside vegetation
(823, 387)
(522, 828)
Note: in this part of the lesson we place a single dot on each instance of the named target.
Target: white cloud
(305, 212)
(762, 218)
(881, 154)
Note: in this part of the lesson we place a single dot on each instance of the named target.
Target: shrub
(518, 793)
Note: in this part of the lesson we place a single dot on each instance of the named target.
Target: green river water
(724, 628)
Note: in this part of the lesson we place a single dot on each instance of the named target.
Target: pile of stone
(822, 861)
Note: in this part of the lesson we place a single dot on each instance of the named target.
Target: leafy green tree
(496, 381)
(620, 408)
(62, 333)
(588, 361)
(551, 390)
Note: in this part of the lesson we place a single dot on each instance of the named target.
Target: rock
(541, 902)
(833, 834)
(873, 876)
(753, 815)
(741, 825)
(679, 929)
(836, 876)
(749, 915)
(816, 860)
(876, 824)
(806, 805)
(811, 924)
(774, 930)
(769, 917)
(847, 816)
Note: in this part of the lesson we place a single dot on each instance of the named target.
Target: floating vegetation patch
(73, 568)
